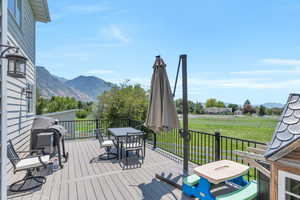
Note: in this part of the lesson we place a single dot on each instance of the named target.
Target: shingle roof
(288, 128)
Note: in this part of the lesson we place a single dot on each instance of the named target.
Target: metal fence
(204, 147)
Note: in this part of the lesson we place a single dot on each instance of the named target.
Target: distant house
(238, 112)
(18, 29)
(217, 111)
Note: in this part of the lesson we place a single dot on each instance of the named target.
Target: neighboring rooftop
(288, 128)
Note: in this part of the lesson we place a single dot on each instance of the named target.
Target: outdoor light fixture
(16, 66)
(28, 91)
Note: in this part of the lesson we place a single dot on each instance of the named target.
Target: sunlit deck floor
(85, 177)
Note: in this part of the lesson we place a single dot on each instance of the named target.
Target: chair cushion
(32, 162)
(107, 143)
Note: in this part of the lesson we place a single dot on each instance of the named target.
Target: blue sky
(236, 49)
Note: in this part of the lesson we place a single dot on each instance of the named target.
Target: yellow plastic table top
(220, 171)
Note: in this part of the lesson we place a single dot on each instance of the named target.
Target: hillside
(90, 85)
(83, 88)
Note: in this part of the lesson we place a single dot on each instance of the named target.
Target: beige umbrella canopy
(162, 115)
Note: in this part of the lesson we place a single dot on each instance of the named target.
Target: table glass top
(123, 131)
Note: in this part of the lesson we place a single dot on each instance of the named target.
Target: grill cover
(46, 125)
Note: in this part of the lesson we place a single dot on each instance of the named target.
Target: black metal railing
(204, 147)
(80, 129)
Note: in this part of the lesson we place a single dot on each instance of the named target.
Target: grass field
(244, 127)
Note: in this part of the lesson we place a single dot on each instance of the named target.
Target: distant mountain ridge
(273, 105)
(90, 85)
(83, 88)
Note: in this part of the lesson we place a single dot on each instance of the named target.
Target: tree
(191, 107)
(261, 110)
(124, 101)
(220, 104)
(234, 107)
(56, 104)
(214, 103)
(41, 103)
(247, 108)
(198, 108)
(178, 104)
(211, 103)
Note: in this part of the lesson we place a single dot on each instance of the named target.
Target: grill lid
(41, 122)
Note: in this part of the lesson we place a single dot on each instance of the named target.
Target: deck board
(86, 177)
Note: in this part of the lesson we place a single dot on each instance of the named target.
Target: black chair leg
(108, 155)
(39, 180)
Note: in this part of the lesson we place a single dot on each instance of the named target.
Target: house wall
(19, 120)
(24, 34)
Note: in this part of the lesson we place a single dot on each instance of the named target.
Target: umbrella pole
(185, 132)
(186, 142)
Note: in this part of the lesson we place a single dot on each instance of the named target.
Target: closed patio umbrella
(162, 115)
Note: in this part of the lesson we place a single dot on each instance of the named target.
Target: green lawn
(244, 127)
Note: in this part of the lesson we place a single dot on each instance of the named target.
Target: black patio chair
(28, 164)
(133, 142)
(107, 144)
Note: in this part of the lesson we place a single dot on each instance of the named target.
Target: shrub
(81, 114)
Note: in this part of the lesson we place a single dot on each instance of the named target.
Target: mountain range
(82, 88)
(273, 105)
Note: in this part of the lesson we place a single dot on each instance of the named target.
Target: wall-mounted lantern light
(16, 66)
(28, 91)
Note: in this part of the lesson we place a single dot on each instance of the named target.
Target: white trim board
(282, 175)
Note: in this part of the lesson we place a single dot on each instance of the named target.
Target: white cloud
(278, 61)
(115, 33)
(100, 72)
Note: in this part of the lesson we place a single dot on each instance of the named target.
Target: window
(15, 8)
(290, 187)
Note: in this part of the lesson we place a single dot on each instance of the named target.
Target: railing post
(97, 126)
(154, 141)
(217, 146)
(129, 122)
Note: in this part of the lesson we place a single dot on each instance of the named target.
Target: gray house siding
(19, 120)
(24, 34)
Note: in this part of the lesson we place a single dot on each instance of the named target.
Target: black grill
(47, 135)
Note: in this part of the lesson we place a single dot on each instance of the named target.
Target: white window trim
(282, 175)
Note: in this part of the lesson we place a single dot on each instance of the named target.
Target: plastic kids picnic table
(215, 173)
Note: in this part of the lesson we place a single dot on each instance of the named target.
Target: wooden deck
(85, 177)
